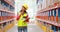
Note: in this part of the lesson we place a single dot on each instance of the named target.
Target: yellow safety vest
(21, 20)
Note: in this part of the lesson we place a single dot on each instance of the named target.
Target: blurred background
(44, 15)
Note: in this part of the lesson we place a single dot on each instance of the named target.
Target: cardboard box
(55, 29)
(58, 15)
(52, 18)
(48, 28)
(59, 20)
(58, 29)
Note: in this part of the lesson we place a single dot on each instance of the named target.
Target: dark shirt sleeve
(27, 18)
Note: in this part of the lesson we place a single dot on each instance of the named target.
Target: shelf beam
(46, 9)
(50, 22)
(9, 2)
(6, 11)
(6, 20)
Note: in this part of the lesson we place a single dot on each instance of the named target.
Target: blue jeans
(24, 29)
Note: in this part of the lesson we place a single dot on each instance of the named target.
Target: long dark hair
(24, 11)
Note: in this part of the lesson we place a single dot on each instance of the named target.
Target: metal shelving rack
(48, 18)
(7, 15)
(47, 21)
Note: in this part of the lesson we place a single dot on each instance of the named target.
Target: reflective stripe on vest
(21, 20)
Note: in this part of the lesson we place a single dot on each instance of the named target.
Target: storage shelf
(7, 11)
(6, 21)
(49, 22)
(9, 2)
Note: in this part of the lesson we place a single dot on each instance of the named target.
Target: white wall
(31, 4)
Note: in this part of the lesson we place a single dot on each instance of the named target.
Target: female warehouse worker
(23, 19)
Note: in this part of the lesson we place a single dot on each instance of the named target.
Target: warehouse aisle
(46, 13)
(31, 28)
(34, 28)
(13, 29)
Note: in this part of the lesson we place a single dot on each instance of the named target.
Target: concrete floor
(31, 28)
